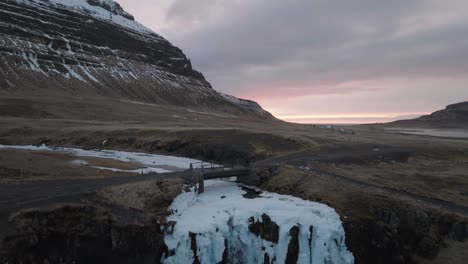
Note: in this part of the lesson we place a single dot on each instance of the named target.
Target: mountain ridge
(95, 48)
(453, 116)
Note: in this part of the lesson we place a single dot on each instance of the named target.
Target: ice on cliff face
(220, 218)
(96, 11)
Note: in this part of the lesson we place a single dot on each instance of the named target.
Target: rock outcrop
(453, 116)
(80, 234)
(119, 224)
(266, 229)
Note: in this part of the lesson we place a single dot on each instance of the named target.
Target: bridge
(201, 171)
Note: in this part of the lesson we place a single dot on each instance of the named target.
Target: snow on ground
(149, 162)
(222, 214)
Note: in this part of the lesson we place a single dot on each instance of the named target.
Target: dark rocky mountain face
(95, 48)
(453, 116)
(456, 112)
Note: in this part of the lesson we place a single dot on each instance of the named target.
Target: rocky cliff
(453, 116)
(453, 112)
(91, 48)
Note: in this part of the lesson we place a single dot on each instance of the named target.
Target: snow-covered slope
(222, 226)
(94, 47)
(102, 9)
(248, 105)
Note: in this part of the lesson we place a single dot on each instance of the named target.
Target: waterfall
(222, 226)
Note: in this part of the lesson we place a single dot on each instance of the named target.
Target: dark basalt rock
(259, 175)
(116, 9)
(250, 193)
(80, 234)
(457, 111)
(193, 246)
(293, 247)
(64, 29)
(266, 229)
(224, 260)
(396, 236)
(453, 116)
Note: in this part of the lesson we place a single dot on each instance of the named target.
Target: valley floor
(402, 198)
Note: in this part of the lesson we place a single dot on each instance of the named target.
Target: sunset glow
(377, 63)
(346, 118)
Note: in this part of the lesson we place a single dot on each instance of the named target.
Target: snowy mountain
(95, 48)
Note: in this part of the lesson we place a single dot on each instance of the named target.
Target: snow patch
(149, 162)
(248, 105)
(142, 170)
(97, 12)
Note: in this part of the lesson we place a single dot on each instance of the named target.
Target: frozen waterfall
(222, 226)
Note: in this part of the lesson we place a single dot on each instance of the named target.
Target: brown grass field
(431, 167)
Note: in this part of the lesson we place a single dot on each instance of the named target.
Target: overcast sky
(323, 60)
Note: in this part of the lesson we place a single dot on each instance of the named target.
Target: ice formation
(215, 226)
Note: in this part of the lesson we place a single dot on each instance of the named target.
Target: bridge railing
(205, 165)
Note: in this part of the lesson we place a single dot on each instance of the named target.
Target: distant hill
(453, 116)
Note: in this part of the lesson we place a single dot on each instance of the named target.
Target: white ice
(149, 162)
(222, 214)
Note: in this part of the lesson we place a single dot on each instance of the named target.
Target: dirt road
(363, 154)
(19, 196)
(38, 194)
